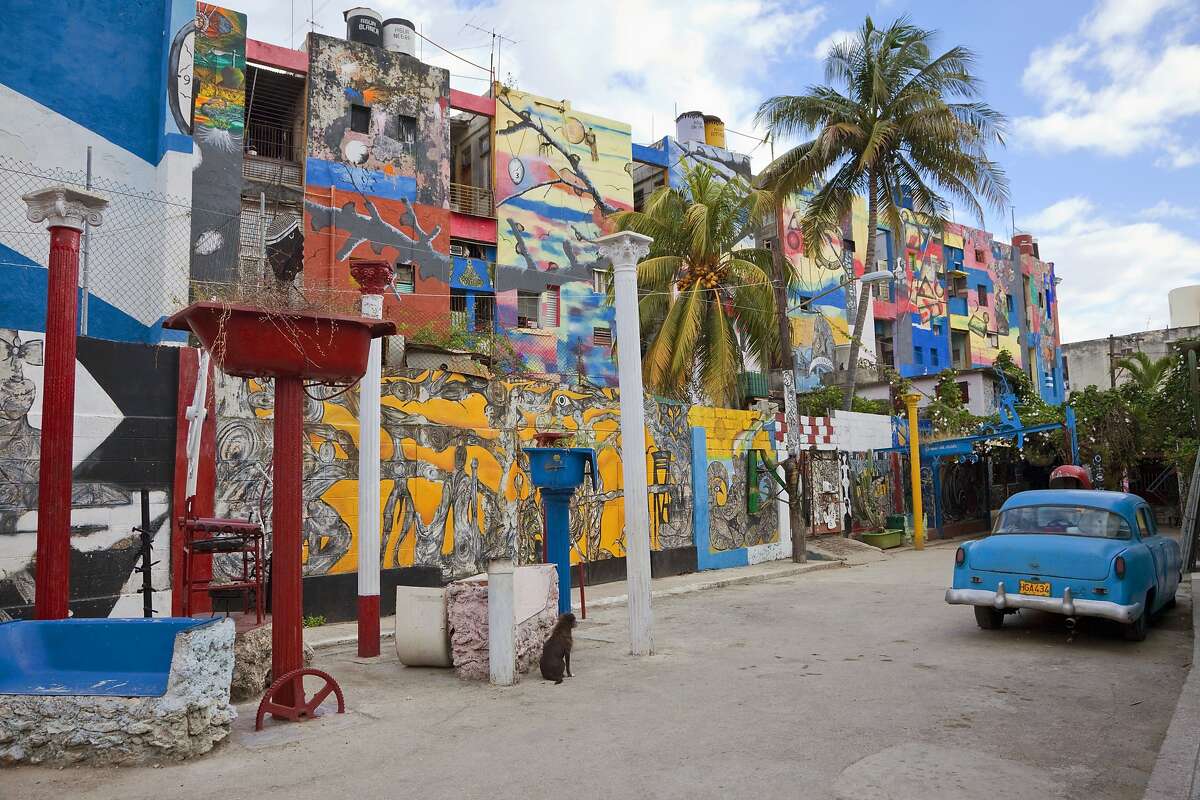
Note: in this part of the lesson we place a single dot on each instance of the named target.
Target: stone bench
(113, 691)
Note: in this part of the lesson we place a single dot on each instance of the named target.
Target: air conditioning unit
(458, 250)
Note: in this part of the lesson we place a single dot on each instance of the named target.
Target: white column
(373, 278)
(625, 250)
(502, 635)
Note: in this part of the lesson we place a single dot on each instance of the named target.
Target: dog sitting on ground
(556, 652)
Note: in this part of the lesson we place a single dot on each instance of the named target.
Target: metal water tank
(400, 36)
(714, 131)
(1184, 303)
(364, 25)
(689, 127)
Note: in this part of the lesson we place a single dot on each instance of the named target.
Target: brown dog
(556, 652)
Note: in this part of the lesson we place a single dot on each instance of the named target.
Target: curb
(1175, 767)
(620, 600)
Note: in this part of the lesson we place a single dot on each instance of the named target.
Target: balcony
(271, 154)
(471, 200)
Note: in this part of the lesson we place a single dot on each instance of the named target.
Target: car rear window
(1062, 520)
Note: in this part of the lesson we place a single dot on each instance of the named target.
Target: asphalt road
(849, 683)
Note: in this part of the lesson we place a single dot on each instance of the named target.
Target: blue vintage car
(1073, 552)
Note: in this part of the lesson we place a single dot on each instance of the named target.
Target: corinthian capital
(62, 206)
(624, 249)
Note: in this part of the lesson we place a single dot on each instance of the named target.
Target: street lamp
(867, 277)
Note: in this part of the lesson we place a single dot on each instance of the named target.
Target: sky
(1102, 97)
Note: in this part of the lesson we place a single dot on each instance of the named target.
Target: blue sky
(1103, 98)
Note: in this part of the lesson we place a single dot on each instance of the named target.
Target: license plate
(1035, 588)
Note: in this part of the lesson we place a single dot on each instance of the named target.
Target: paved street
(846, 683)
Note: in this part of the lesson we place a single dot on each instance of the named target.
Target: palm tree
(902, 127)
(705, 303)
(1148, 373)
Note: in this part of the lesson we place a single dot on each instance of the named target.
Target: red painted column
(287, 505)
(66, 212)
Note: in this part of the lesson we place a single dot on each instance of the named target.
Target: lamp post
(625, 249)
(373, 278)
(914, 464)
(66, 213)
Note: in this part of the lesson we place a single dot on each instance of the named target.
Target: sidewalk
(1177, 768)
(341, 634)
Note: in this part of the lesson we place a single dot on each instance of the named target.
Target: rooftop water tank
(714, 131)
(400, 36)
(1185, 306)
(364, 25)
(689, 127)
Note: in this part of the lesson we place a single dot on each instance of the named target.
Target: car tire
(988, 618)
(1136, 631)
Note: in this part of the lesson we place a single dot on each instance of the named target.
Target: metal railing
(471, 200)
(271, 153)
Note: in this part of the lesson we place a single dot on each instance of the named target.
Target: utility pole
(498, 41)
(1112, 363)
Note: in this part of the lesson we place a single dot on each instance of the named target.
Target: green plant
(705, 303)
(1148, 373)
(314, 621)
(896, 133)
(947, 412)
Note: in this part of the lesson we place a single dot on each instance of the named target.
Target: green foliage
(705, 303)
(1144, 371)
(314, 621)
(947, 411)
(820, 402)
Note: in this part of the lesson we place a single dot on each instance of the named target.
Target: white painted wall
(854, 432)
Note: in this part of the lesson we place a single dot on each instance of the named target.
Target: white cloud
(822, 48)
(1115, 272)
(1124, 82)
(1165, 209)
(628, 60)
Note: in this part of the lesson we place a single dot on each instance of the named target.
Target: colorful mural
(218, 121)
(455, 486)
(377, 175)
(124, 447)
(559, 173)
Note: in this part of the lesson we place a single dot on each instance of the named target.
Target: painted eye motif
(516, 170)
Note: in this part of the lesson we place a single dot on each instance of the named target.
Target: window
(527, 309)
(550, 299)
(981, 294)
(405, 278)
(1063, 520)
(601, 280)
(1039, 298)
(1145, 522)
(360, 119)
(1009, 303)
(979, 259)
(1066, 372)
(458, 308)
(994, 340)
(933, 357)
(964, 391)
(485, 313)
(937, 328)
(919, 355)
(402, 128)
(602, 337)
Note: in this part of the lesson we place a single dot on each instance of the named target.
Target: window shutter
(549, 315)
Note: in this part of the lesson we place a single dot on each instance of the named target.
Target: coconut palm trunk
(864, 295)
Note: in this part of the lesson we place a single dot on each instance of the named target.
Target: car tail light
(960, 557)
(1119, 566)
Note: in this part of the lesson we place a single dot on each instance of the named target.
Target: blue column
(558, 532)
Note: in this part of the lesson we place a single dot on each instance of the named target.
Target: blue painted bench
(97, 657)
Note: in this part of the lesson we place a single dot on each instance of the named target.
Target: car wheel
(988, 618)
(1136, 631)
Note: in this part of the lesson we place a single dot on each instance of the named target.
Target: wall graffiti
(377, 176)
(454, 483)
(124, 446)
(559, 173)
(218, 121)
(870, 489)
(825, 476)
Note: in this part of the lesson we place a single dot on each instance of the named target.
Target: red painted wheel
(300, 709)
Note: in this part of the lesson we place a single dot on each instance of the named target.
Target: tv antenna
(498, 40)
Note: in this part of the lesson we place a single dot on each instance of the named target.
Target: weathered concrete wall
(467, 610)
(187, 721)
(1087, 362)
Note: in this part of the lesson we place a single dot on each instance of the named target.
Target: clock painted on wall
(180, 66)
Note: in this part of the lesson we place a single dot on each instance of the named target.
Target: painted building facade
(960, 296)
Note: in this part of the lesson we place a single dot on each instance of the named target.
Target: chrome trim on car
(1066, 605)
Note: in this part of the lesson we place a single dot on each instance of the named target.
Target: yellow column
(914, 461)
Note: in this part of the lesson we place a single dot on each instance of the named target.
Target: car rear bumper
(1066, 605)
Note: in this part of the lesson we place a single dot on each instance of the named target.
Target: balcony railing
(471, 200)
(271, 154)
